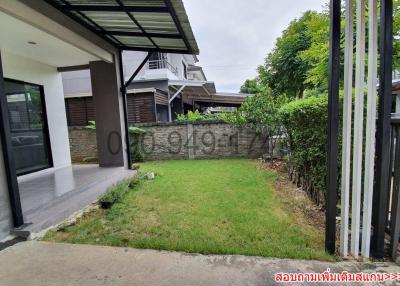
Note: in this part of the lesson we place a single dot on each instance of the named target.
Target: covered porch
(51, 196)
(39, 186)
(42, 187)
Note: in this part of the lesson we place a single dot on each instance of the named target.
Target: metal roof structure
(205, 92)
(194, 87)
(138, 25)
(221, 99)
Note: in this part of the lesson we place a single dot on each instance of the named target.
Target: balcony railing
(162, 64)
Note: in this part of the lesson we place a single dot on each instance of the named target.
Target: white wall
(19, 68)
(176, 61)
(77, 83)
(5, 210)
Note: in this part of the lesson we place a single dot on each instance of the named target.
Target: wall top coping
(163, 124)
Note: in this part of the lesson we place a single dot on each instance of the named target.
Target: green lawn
(215, 206)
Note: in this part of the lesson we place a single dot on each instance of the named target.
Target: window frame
(45, 127)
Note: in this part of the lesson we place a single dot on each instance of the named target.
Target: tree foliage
(396, 32)
(298, 67)
(299, 60)
(317, 55)
(284, 70)
(250, 86)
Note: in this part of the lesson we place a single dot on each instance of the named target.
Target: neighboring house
(40, 39)
(396, 89)
(167, 85)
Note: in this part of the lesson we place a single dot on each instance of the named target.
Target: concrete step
(21, 232)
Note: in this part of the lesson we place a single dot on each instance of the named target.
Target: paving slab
(43, 263)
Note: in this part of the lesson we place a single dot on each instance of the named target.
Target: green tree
(300, 58)
(261, 113)
(250, 86)
(317, 55)
(284, 70)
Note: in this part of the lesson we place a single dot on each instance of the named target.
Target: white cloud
(235, 35)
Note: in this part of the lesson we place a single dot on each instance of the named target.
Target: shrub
(115, 193)
(92, 125)
(260, 113)
(305, 121)
(193, 116)
(89, 160)
(136, 147)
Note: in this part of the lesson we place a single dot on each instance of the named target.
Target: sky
(235, 35)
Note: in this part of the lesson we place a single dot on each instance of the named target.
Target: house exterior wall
(157, 84)
(5, 210)
(81, 110)
(82, 47)
(133, 59)
(77, 83)
(23, 69)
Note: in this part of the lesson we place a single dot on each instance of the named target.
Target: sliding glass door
(28, 124)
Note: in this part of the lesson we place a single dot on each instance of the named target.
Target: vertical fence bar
(358, 129)
(382, 174)
(391, 168)
(125, 110)
(346, 146)
(395, 209)
(333, 128)
(371, 127)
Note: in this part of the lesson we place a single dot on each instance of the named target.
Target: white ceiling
(15, 35)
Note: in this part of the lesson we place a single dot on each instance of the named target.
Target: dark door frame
(9, 163)
(45, 128)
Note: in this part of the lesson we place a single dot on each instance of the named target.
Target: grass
(210, 207)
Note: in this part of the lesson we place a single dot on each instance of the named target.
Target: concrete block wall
(201, 140)
(83, 143)
(185, 141)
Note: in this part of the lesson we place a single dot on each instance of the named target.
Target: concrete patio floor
(42, 263)
(50, 197)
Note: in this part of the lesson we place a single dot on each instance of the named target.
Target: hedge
(305, 121)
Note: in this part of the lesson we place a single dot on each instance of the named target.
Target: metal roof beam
(97, 8)
(138, 69)
(169, 51)
(136, 22)
(93, 26)
(178, 24)
(140, 34)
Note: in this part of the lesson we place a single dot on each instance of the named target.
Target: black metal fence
(393, 216)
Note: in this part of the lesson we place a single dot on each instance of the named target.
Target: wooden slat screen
(140, 108)
(80, 111)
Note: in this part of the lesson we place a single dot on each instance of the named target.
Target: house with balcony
(164, 85)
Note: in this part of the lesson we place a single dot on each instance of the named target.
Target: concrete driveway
(41, 263)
